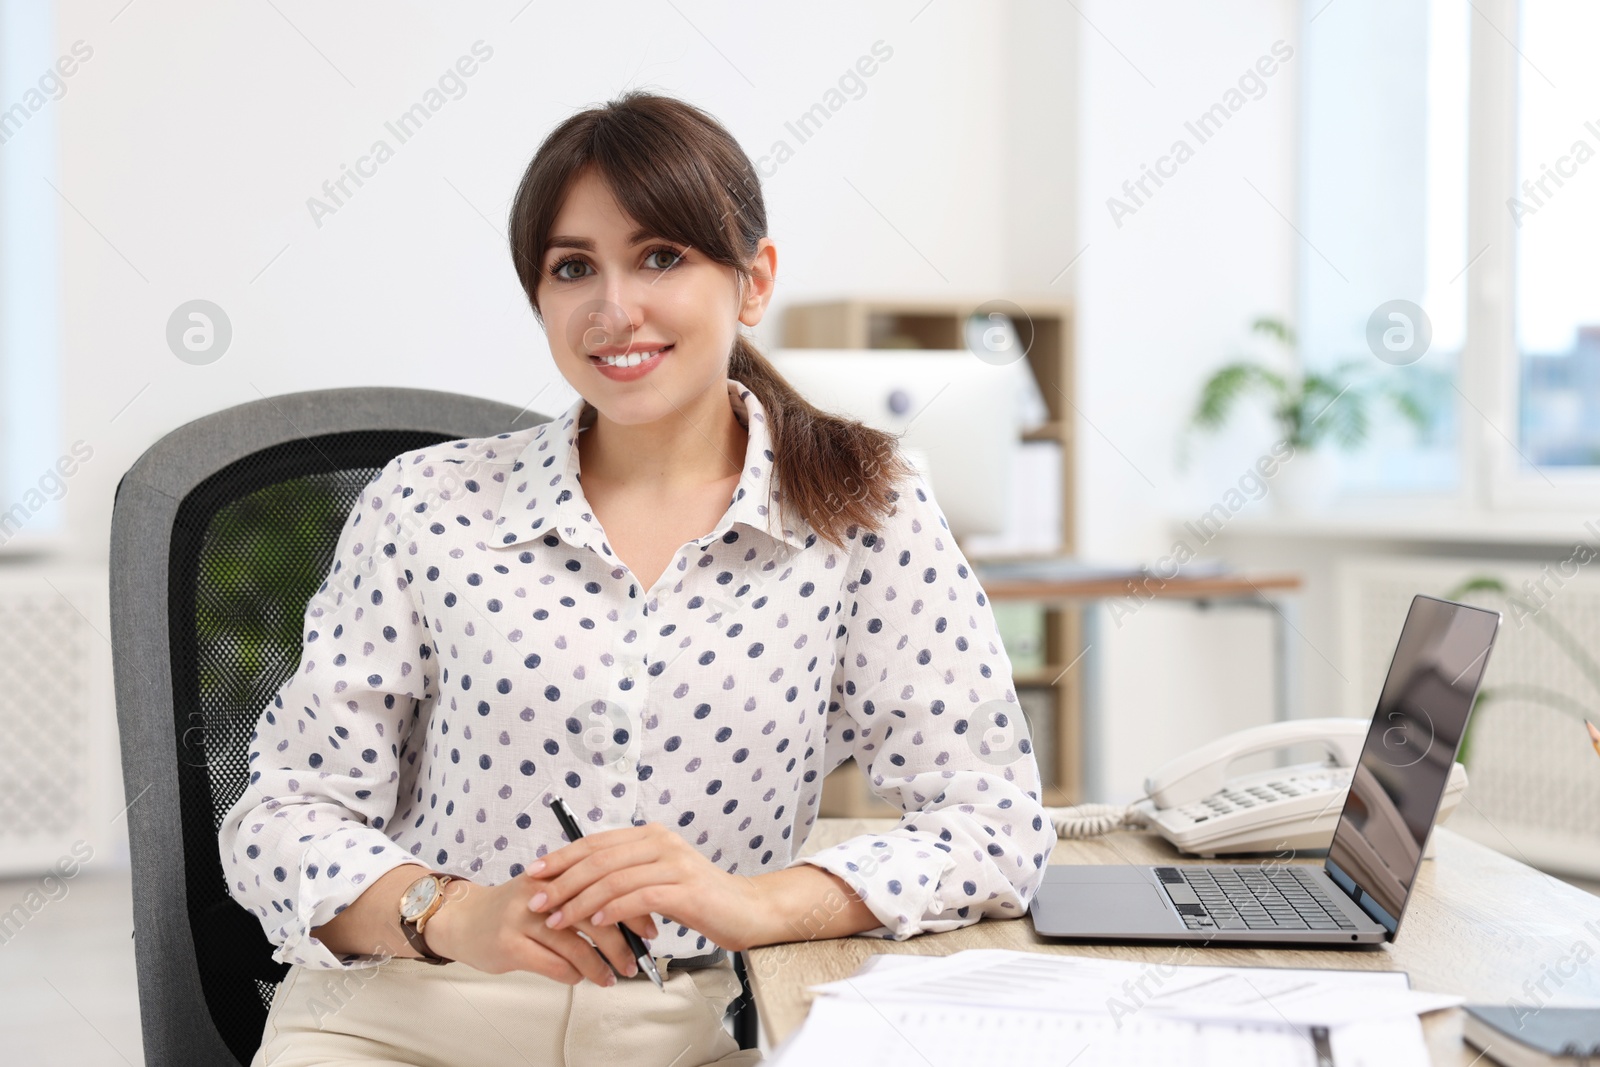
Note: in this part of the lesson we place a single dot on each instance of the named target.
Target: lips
(659, 350)
(631, 373)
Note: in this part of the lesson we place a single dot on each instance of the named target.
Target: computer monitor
(958, 418)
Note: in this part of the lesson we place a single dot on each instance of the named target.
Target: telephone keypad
(1232, 799)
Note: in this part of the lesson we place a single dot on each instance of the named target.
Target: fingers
(596, 903)
(609, 940)
(553, 863)
(591, 872)
(564, 857)
(535, 892)
(580, 956)
(633, 907)
(530, 955)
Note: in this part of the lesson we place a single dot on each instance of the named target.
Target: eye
(570, 261)
(674, 256)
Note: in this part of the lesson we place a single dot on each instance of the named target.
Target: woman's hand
(492, 929)
(625, 874)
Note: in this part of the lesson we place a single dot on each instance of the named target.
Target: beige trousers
(407, 1012)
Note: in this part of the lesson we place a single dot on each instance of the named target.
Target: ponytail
(833, 472)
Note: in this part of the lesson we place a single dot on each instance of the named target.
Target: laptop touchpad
(1112, 908)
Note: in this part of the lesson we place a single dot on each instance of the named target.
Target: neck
(688, 448)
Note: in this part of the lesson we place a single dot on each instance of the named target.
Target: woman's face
(606, 289)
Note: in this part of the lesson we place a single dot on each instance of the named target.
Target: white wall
(1163, 299)
(193, 138)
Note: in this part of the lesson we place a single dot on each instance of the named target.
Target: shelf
(1045, 330)
(1042, 676)
(1048, 431)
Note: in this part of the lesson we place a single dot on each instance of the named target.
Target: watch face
(418, 896)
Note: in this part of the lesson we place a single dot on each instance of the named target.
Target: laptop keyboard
(1251, 898)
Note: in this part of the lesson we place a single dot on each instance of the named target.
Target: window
(1555, 208)
(30, 274)
(1383, 163)
(1451, 157)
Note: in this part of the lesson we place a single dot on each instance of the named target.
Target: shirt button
(625, 764)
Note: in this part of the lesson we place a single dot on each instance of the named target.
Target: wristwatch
(418, 904)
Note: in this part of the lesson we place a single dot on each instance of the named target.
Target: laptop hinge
(1360, 897)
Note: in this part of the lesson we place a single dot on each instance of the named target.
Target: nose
(629, 289)
(611, 326)
(601, 328)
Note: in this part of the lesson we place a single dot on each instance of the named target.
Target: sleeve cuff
(334, 871)
(897, 879)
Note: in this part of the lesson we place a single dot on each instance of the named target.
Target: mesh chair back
(221, 533)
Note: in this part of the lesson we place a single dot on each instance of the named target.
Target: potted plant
(1311, 408)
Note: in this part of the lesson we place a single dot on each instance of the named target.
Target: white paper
(842, 1031)
(989, 1005)
(1119, 988)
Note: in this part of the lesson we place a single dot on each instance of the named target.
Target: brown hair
(677, 172)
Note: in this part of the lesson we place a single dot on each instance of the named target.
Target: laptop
(1358, 896)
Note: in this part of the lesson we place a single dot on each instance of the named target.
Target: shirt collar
(544, 494)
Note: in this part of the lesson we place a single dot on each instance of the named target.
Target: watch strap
(415, 939)
(414, 936)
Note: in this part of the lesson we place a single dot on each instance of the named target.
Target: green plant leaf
(1274, 328)
(1558, 634)
(1227, 385)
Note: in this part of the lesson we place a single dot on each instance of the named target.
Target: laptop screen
(1410, 747)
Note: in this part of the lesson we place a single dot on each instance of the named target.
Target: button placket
(640, 677)
(627, 669)
(648, 627)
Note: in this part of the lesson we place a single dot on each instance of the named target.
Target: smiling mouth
(632, 359)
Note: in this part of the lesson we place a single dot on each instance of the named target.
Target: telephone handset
(1199, 774)
(1192, 804)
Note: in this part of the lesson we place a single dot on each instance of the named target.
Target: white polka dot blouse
(478, 648)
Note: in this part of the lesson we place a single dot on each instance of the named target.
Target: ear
(757, 292)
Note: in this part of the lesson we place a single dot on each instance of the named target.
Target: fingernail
(536, 902)
(555, 917)
(631, 967)
(596, 918)
(535, 867)
(611, 979)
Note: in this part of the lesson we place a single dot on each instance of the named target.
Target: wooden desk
(1480, 925)
(1141, 586)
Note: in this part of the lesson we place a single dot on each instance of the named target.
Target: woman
(544, 614)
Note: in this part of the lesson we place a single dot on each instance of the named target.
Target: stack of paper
(990, 1005)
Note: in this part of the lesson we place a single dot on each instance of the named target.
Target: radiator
(1534, 791)
(59, 777)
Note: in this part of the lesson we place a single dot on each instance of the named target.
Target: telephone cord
(1092, 820)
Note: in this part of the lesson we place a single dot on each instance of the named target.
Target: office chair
(220, 534)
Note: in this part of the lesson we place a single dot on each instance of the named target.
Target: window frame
(1492, 369)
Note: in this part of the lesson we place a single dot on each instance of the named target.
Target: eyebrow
(584, 244)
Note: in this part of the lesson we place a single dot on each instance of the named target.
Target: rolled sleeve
(923, 700)
(309, 833)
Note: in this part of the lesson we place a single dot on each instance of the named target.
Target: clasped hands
(547, 918)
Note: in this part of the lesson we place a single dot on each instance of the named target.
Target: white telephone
(1191, 804)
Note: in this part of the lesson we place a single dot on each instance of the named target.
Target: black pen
(635, 942)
